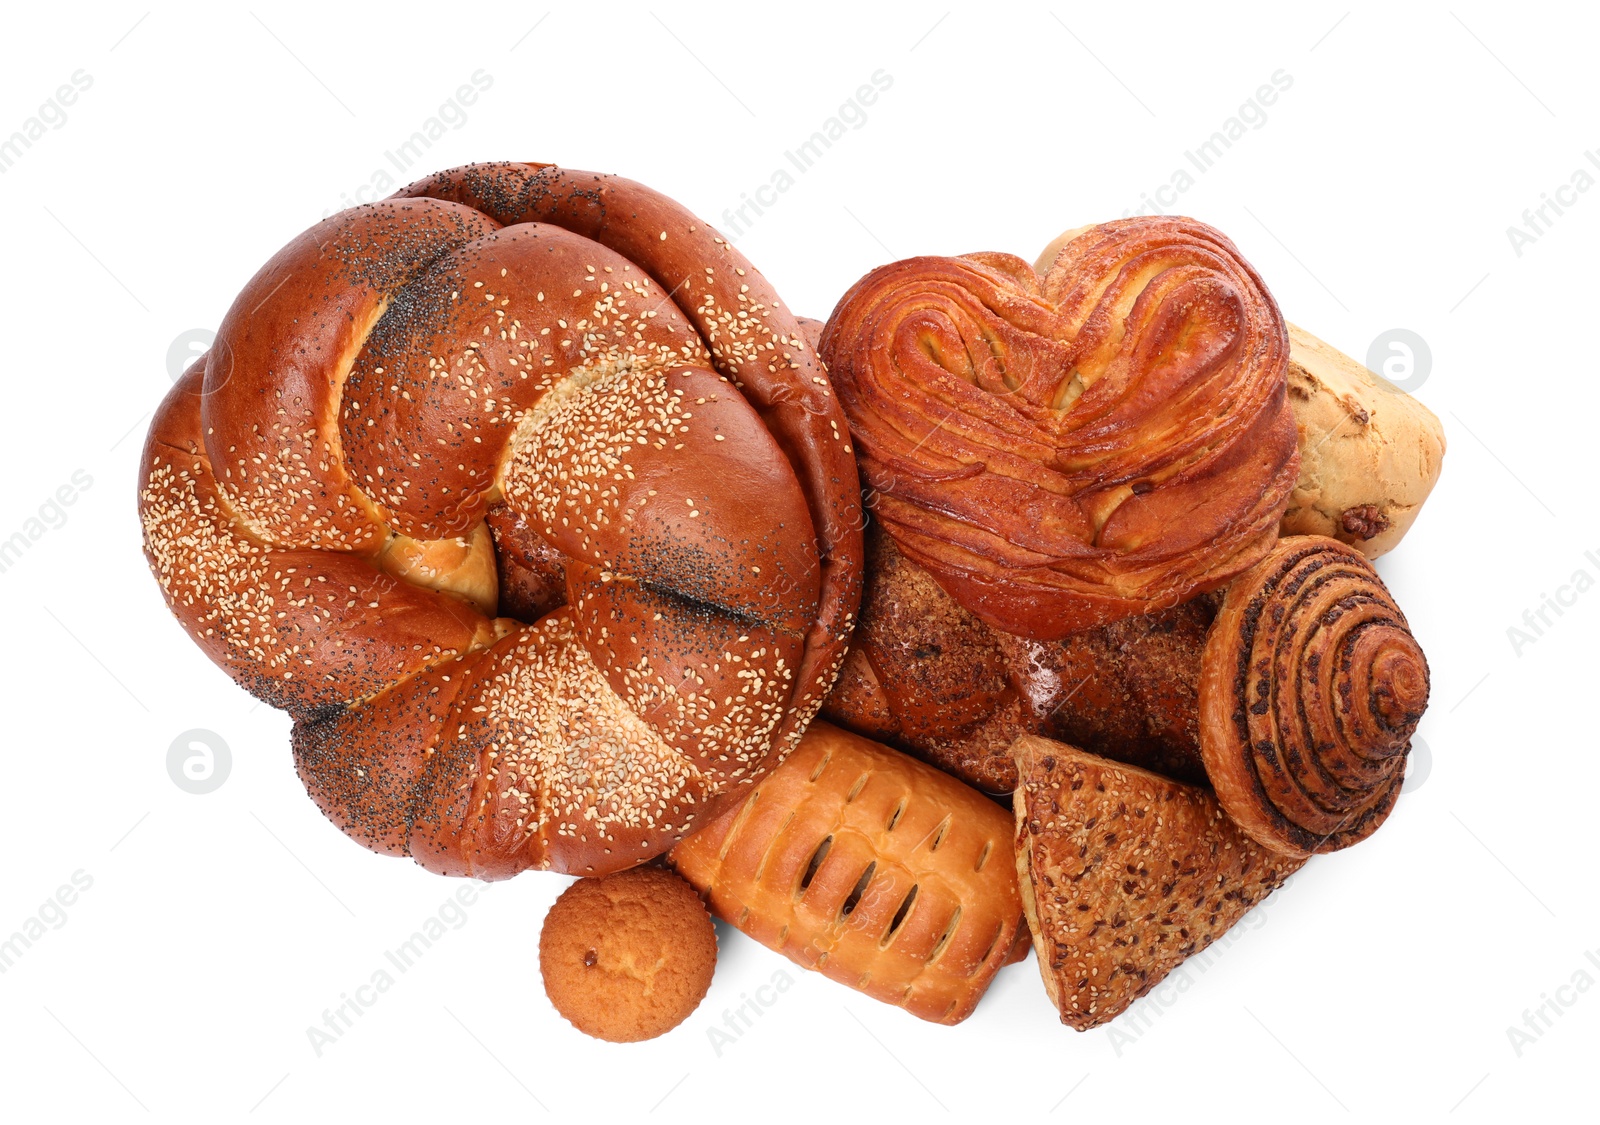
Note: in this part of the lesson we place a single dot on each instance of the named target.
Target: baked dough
(1369, 452)
(628, 956)
(1063, 450)
(1124, 875)
(1311, 687)
(929, 678)
(876, 870)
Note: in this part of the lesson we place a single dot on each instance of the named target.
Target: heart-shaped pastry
(1062, 450)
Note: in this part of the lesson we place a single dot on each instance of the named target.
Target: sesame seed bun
(527, 498)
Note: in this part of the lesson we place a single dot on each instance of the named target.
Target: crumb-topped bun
(526, 497)
(628, 956)
(1064, 448)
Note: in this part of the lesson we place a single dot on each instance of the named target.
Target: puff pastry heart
(1061, 451)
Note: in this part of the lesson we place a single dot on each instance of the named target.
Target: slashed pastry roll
(870, 867)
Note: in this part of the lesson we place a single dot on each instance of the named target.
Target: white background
(1378, 194)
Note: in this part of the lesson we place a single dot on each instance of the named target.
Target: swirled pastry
(1064, 450)
(1311, 688)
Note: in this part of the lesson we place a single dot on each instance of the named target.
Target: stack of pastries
(553, 528)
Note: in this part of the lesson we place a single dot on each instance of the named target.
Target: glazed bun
(1061, 449)
(526, 497)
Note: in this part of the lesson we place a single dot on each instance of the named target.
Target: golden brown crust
(755, 342)
(576, 370)
(927, 677)
(870, 867)
(1124, 875)
(1061, 451)
(296, 627)
(1311, 688)
(1369, 452)
(628, 956)
(531, 575)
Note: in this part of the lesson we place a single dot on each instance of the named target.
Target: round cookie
(628, 956)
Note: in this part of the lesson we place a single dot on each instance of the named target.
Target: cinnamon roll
(1310, 690)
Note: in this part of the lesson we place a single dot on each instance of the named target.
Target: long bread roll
(873, 869)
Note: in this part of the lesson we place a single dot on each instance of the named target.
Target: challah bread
(1061, 451)
(523, 378)
(873, 869)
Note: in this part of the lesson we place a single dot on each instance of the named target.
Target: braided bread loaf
(547, 395)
